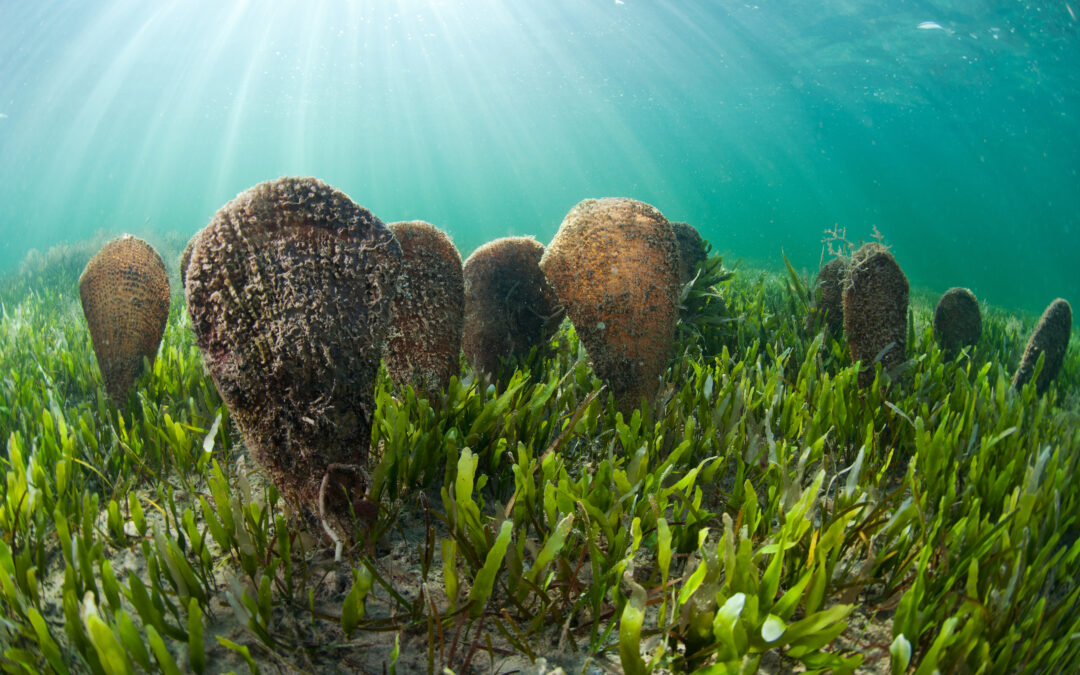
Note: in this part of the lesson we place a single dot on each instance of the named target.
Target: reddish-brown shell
(509, 305)
(875, 310)
(125, 298)
(424, 347)
(614, 266)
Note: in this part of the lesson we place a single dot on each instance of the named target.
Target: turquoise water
(951, 127)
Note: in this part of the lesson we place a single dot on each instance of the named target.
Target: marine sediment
(424, 346)
(614, 266)
(289, 290)
(124, 291)
(875, 310)
(1051, 338)
(509, 306)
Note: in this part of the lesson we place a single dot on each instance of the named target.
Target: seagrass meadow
(764, 514)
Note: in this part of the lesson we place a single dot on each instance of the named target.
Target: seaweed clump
(1051, 337)
(424, 345)
(124, 291)
(875, 310)
(957, 320)
(614, 265)
(509, 306)
(289, 290)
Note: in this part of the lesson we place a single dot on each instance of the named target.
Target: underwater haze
(951, 127)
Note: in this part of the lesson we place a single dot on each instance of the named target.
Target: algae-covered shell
(691, 249)
(957, 320)
(289, 290)
(614, 266)
(125, 297)
(509, 305)
(1051, 337)
(875, 310)
(185, 258)
(424, 346)
(829, 294)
